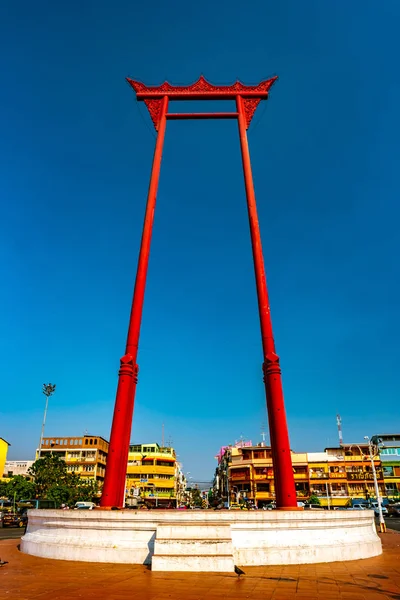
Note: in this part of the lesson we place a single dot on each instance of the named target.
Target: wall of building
(335, 475)
(153, 474)
(3, 454)
(86, 456)
(16, 467)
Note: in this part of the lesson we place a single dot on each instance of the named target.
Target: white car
(84, 505)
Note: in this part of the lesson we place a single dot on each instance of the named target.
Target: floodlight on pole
(48, 390)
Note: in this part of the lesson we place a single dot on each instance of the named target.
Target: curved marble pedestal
(208, 540)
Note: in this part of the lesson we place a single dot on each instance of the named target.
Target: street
(392, 524)
(8, 533)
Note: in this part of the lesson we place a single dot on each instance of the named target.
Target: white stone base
(192, 540)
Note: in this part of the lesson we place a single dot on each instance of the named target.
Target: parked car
(374, 506)
(236, 506)
(270, 506)
(313, 507)
(358, 507)
(84, 505)
(15, 520)
(393, 510)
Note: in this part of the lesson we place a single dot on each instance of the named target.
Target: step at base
(188, 547)
(212, 564)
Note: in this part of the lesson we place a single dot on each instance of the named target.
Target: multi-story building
(336, 475)
(3, 454)
(247, 472)
(388, 445)
(16, 467)
(86, 456)
(154, 475)
(339, 474)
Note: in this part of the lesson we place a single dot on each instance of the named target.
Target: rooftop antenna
(169, 442)
(263, 434)
(162, 436)
(339, 426)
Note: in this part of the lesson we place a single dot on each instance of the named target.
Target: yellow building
(336, 475)
(251, 474)
(86, 456)
(340, 474)
(153, 475)
(3, 455)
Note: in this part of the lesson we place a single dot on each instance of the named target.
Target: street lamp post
(48, 390)
(382, 524)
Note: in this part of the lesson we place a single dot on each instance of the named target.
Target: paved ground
(28, 578)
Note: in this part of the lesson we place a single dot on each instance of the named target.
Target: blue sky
(75, 157)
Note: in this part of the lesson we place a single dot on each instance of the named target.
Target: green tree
(196, 497)
(71, 490)
(314, 500)
(53, 482)
(3, 489)
(48, 471)
(22, 487)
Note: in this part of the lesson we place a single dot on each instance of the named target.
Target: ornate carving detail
(152, 94)
(200, 86)
(154, 108)
(128, 367)
(271, 365)
(250, 105)
(135, 373)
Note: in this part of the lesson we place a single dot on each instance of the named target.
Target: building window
(300, 470)
(259, 454)
(262, 487)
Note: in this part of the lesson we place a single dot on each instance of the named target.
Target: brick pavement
(27, 577)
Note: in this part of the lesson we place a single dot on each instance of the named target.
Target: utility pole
(48, 390)
(382, 524)
(327, 495)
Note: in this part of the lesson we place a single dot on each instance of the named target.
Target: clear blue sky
(75, 156)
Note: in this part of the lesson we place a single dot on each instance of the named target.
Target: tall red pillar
(114, 483)
(285, 489)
